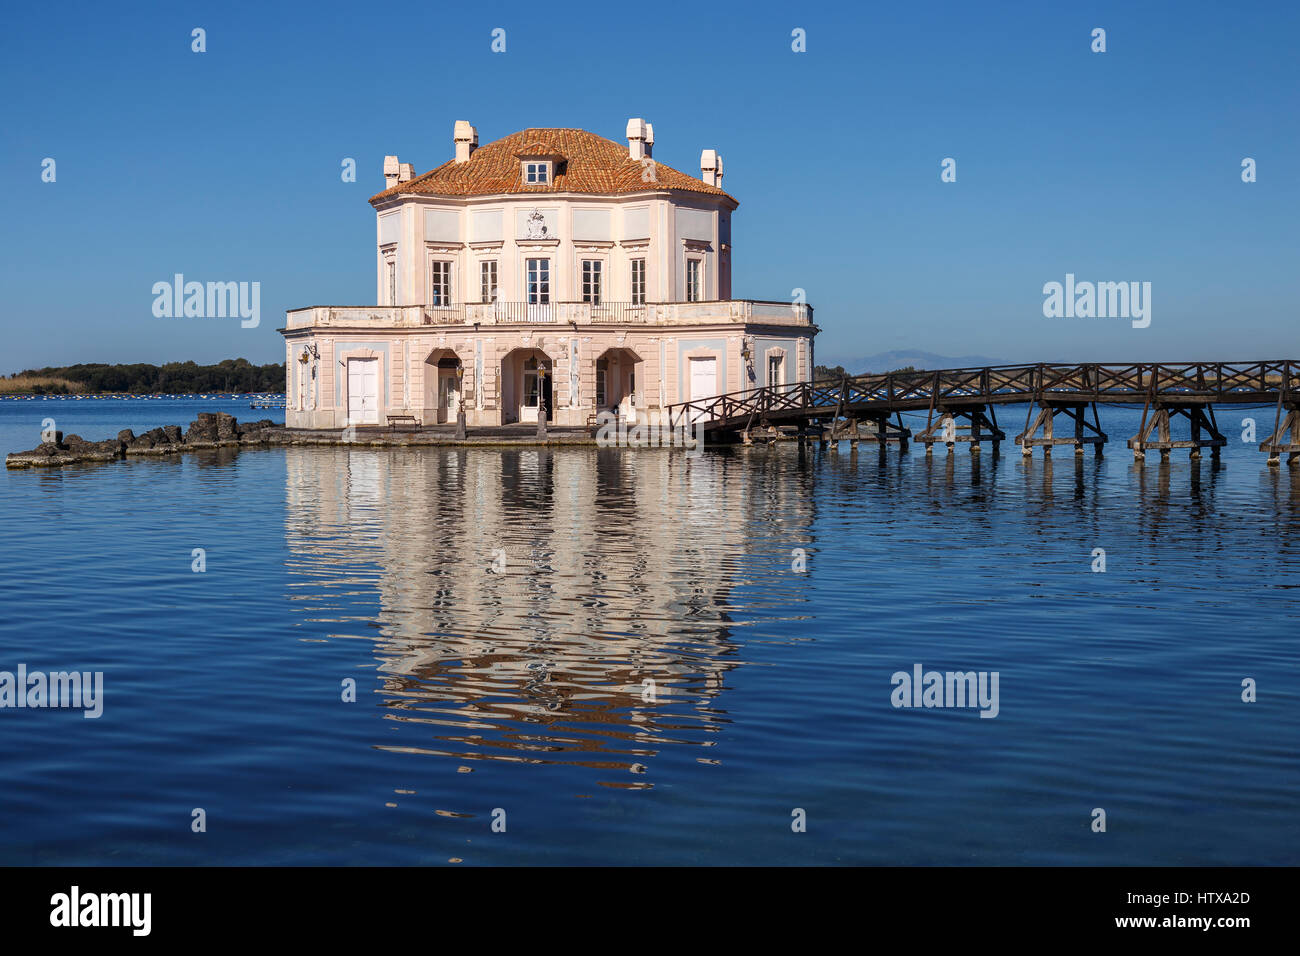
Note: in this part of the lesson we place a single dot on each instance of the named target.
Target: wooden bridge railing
(1089, 382)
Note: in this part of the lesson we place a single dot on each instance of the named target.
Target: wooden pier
(960, 406)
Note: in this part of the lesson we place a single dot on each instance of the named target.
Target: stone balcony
(737, 311)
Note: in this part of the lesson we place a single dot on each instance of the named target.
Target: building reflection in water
(534, 605)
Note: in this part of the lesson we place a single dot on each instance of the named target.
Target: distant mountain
(901, 358)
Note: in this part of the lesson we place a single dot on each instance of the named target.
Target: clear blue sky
(1117, 166)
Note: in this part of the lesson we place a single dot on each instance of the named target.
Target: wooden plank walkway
(961, 405)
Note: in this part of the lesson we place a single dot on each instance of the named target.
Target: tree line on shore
(821, 372)
(230, 375)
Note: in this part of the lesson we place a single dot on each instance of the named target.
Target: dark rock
(37, 459)
(126, 435)
(173, 433)
(109, 450)
(73, 440)
(203, 428)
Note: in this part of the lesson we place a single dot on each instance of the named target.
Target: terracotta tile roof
(590, 164)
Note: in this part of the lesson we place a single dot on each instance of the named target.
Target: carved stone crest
(535, 226)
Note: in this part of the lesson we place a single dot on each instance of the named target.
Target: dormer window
(539, 163)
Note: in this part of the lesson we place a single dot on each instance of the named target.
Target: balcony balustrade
(550, 313)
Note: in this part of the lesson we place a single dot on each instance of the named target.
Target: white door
(627, 407)
(528, 410)
(449, 399)
(363, 391)
(704, 381)
(704, 378)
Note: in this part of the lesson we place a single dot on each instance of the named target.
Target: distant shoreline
(173, 379)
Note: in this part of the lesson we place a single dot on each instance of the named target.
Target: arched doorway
(527, 381)
(442, 384)
(618, 379)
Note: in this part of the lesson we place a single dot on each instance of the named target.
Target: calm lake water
(523, 688)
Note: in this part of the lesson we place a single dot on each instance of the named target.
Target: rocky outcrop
(258, 433)
(209, 430)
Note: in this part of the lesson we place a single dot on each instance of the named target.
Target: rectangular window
(591, 281)
(775, 369)
(538, 281)
(440, 283)
(488, 281)
(602, 370)
(390, 281)
(693, 283)
(638, 282)
(537, 174)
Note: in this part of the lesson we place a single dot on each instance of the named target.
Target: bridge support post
(1285, 438)
(1085, 432)
(880, 429)
(1201, 420)
(944, 428)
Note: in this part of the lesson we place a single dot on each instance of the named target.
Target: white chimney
(636, 139)
(649, 140)
(391, 170)
(466, 139)
(711, 168)
(404, 172)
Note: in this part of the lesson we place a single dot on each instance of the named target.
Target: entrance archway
(527, 378)
(619, 385)
(442, 384)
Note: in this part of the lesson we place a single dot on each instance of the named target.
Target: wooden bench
(594, 424)
(395, 420)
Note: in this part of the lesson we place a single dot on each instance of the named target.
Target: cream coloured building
(551, 269)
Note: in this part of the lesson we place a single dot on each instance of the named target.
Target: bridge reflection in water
(527, 599)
